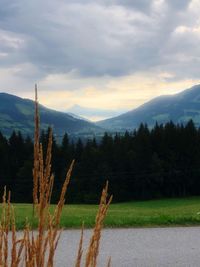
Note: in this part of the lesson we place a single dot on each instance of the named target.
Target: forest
(161, 162)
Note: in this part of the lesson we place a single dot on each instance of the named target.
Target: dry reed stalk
(80, 249)
(109, 262)
(34, 249)
(38, 249)
(48, 225)
(93, 249)
(14, 239)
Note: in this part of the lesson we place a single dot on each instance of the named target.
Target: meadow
(165, 212)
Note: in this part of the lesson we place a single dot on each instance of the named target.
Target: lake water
(144, 247)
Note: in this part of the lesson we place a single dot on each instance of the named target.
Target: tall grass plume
(36, 248)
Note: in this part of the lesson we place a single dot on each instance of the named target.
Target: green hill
(18, 114)
(179, 108)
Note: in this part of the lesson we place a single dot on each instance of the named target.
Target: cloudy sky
(102, 54)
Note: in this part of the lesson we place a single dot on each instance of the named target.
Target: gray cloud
(112, 37)
(178, 4)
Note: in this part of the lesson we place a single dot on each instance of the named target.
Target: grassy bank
(166, 212)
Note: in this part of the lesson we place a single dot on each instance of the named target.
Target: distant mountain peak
(91, 113)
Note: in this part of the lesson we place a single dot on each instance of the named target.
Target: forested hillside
(18, 114)
(179, 108)
(144, 164)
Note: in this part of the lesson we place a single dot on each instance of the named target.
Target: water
(144, 247)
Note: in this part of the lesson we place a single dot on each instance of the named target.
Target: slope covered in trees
(179, 108)
(144, 164)
(18, 114)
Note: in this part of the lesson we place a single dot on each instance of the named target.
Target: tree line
(143, 164)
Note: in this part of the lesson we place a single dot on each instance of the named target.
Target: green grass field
(166, 212)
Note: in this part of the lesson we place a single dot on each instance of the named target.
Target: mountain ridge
(17, 114)
(178, 108)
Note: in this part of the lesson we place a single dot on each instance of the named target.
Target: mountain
(179, 108)
(77, 116)
(18, 114)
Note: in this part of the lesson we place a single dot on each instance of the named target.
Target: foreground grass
(166, 212)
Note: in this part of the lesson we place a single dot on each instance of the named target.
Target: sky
(109, 55)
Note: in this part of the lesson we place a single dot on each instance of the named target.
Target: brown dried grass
(37, 248)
